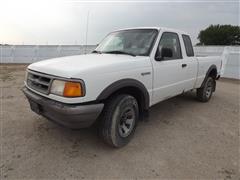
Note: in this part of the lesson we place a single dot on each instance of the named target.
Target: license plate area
(35, 107)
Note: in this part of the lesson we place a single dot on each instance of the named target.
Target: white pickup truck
(129, 71)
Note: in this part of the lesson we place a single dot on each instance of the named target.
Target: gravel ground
(182, 139)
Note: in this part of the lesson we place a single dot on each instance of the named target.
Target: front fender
(125, 83)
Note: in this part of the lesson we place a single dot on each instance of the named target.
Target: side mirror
(165, 52)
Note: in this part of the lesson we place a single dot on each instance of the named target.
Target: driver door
(167, 67)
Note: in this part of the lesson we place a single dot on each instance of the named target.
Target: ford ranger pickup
(129, 71)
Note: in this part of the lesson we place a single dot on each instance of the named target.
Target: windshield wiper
(98, 52)
(119, 52)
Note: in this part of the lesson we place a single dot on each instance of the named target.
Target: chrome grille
(39, 82)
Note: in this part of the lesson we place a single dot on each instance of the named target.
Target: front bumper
(74, 116)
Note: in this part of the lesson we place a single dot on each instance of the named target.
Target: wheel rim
(126, 122)
(209, 89)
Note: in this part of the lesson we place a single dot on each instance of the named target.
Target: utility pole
(86, 42)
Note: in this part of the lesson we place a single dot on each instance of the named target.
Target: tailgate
(224, 58)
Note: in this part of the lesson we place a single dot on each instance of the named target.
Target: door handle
(184, 65)
(145, 73)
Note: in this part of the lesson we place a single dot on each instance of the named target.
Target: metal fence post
(12, 53)
(59, 49)
(35, 58)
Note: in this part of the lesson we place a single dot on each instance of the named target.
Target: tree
(220, 35)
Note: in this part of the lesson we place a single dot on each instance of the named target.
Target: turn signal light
(73, 89)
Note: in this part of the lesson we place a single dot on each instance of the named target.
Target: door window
(188, 45)
(169, 47)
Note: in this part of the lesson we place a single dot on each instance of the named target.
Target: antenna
(86, 42)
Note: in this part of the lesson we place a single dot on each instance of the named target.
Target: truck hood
(76, 66)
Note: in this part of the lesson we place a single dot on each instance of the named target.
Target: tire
(204, 93)
(119, 120)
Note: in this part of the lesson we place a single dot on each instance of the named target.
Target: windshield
(136, 42)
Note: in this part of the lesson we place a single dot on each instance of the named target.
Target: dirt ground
(182, 139)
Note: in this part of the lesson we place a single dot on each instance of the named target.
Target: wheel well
(213, 73)
(136, 93)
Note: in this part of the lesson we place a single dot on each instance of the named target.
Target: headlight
(57, 87)
(67, 88)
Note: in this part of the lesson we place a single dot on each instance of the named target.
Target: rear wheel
(204, 93)
(119, 120)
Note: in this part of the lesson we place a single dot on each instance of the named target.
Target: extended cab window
(169, 47)
(188, 45)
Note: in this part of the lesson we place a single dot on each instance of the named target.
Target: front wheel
(204, 93)
(119, 120)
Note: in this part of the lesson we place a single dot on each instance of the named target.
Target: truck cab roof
(155, 27)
